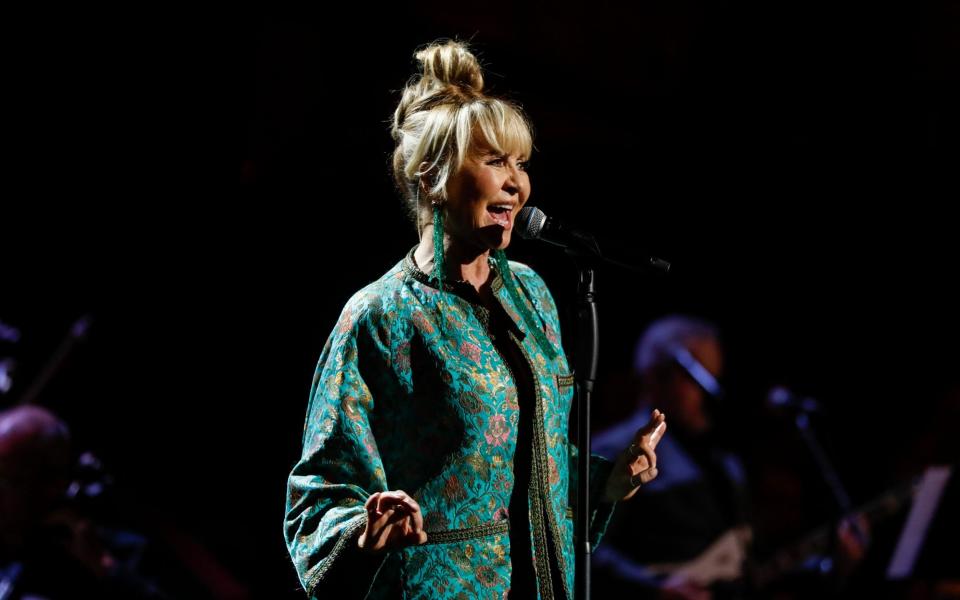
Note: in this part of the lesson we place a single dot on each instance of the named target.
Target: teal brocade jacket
(410, 393)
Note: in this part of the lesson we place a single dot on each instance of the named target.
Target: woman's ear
(425, 173)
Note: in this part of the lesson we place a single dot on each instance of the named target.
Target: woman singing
(435, 454)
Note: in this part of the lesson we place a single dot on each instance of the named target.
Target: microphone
(533, 224)
(782, 397)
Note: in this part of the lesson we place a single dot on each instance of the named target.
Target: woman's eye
(497, 161)
(523, 165)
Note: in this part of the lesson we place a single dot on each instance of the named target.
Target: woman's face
(484, 196)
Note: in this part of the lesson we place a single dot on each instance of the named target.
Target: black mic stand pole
(586, 257)
(585, 369)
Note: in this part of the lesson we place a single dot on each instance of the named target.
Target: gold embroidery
(542, 506)
(345, 536)
(469, 533)
(541, 474)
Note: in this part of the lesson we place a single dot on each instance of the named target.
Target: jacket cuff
(352, 571)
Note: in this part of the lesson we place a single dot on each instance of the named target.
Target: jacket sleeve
(600, 510)
(339, 467)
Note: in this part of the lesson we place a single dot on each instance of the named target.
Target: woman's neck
(462, 261)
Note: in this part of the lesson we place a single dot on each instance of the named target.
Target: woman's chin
(496, 237)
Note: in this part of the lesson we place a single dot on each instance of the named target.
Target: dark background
(213, 188)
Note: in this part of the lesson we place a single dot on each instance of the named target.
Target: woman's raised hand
(637, 464)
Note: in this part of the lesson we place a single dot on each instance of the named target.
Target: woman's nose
(512, 183)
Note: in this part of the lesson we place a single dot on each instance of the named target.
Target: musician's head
(664, 383)
(460, 150)
(35, 462)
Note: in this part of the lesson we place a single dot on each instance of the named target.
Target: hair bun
(451, 63)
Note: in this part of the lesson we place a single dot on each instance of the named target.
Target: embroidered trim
(497, 283)
(410, 267)
(545, 578)
(345, 536)
(469, 533)
(541, 474)
(545, 346)
(565, 380)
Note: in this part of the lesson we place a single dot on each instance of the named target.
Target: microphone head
(530, 222)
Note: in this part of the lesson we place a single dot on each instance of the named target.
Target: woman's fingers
(397, 500)
(644, 477)
(642, 466)
(393, 519)
(393, 499)
(642, 455)
(637, 465)
(409, 505)
(656, 417)
(386, 529)
(641, 463)
(661, 427)
(377, 522)
(416, 538)
(417, 517)
(653, 430)
(642, 450)
(399, 532)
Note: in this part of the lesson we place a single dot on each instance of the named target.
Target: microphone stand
(585, 369)
(586, 257)
(830, 475)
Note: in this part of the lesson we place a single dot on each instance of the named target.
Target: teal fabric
(411, 394)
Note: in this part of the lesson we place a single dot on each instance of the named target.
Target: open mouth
(501, 214)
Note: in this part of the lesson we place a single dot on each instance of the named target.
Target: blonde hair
(440, 111)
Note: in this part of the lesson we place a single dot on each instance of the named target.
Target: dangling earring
(438, 267)
(416, 204)
(510, 282)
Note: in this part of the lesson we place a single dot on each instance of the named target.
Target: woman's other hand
(393, 521)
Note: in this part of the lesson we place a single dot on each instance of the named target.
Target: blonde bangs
(445, 135)
(503, 127)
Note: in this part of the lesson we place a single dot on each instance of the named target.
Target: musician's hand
(681, 589)
(393, 521)
(853, 537)
(637, 464)
(83, 540)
